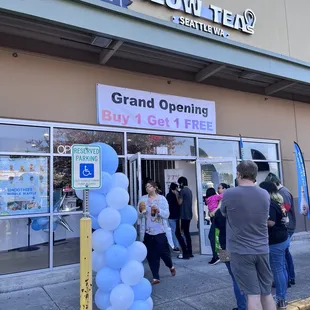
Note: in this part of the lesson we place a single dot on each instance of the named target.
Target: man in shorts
(246, 208)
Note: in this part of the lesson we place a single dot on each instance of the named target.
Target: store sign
(244, 23)
(140, 109)
(23, 185)
(86, 167)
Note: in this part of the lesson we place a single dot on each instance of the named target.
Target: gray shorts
(253, 273)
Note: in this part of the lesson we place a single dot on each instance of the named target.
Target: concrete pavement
(196, 286)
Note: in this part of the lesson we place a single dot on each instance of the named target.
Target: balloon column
(117, 257)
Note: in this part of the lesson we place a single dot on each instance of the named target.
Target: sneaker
(176, 250)
(182, 257)
(281, 304)
(292, 282)
(214, 261)
(289, 284)
(191, 256)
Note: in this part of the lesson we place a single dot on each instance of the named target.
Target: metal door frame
(199, 162)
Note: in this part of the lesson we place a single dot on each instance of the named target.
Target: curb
(301, 304)
(304, 235)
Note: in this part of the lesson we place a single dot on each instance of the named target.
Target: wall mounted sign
(125, 107)
(244, 22)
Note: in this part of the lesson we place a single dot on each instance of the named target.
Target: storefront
(171, 100)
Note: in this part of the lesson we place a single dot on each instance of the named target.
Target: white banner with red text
(125, 107)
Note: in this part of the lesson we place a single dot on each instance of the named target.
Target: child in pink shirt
(212, 200)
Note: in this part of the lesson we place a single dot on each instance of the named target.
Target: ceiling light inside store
(101, 42)
(46, 135)
(33, 145)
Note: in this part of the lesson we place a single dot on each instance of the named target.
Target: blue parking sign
(87, 171)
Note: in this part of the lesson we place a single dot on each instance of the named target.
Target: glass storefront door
(210, 173)
(135, 176)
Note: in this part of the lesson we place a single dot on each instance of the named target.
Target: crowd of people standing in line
(255, 225)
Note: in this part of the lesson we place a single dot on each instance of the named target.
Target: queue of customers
(255, 225)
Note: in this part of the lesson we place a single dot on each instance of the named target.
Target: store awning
(282, 79)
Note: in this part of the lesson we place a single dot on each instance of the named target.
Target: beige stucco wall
(41, 88)
(281, 24)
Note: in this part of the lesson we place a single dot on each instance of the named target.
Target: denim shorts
(253, 273)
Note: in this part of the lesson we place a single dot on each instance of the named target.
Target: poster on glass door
(23, 185)
(172, 176)
(126, 107)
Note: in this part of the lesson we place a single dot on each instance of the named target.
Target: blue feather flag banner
(241, 146)
(303, 196)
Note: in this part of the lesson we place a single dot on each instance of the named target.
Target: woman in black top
(174, 217)
(278, 242)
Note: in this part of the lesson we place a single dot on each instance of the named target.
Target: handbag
(224, 256)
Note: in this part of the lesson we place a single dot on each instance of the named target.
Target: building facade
(247, 62)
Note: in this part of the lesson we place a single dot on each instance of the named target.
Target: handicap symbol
(86, 170)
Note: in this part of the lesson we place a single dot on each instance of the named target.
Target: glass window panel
(24, 185)
(260, 151)
(160, 145)
(218, 148)
(21, 247)
(65, 138)
(64, 197)
(66, 240)
(24, 139)
(264, 168)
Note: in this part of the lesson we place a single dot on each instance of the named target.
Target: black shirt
(174, 206)
(278, 232)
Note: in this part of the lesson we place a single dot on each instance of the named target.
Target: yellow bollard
(86, 276)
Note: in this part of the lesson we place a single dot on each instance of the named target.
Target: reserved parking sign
(86, 166)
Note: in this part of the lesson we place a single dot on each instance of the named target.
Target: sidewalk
(196, 286)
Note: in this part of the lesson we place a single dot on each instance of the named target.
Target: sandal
(155, 281)
(173, 271)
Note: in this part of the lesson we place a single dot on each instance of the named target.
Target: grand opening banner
(125, 107)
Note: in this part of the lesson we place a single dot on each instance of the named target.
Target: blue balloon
(142, 290)
(129, 215)
(97, 203)
(107, 279)
(35, 226)
(125, 235)
(109, 158)
(116, 256)
(42, 221)
(102, 300)
(140, 305)
(106, 183)
(94, 223)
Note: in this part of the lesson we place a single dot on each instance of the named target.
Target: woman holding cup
(153, 212)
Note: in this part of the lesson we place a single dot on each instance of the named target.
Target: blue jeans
(278, 267)
(289, 262)
(173, 226)
(240, 298)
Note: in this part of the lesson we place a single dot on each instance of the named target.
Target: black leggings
(157, 248)
(212, 238)
(186, 247)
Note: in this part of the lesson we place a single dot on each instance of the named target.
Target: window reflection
(160, 145)
(260, 151)
(64, 196)
(218, 148)
(264, 168)
(66, 241)
(65, 138)
(18, 253)
(24, 139)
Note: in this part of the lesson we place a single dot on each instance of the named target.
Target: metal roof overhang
(67, 29)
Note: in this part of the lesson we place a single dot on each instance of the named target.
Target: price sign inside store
(86, 167)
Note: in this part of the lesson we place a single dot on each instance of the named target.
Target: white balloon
(120, 180)
(102, 240)
(109, 219)
(132, 273)
(79, 194)
(98, 261)
(137, 251)
(117, 198)
(150, 302)
(122, 297)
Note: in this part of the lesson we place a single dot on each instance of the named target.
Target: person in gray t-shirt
(247, 209)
